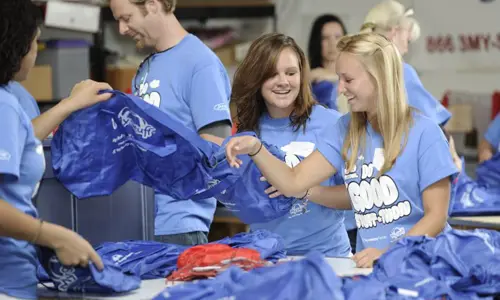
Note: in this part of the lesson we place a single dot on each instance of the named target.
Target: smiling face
(281, 90)
(356, 83)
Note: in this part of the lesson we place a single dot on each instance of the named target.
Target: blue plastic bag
(476, 197)
(464, 264)
(98, 149)
(145, 259)
(84, 280)
(246, 197)
(488, 172)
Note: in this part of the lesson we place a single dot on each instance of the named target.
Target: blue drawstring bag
(475, 197)
(145, 259)
(451, 258)
(310, 278)
(112, 279)
(488, 172)
(246, 197)
(98, 149)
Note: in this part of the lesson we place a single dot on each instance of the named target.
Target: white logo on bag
(4, 155)
(140, 126)
(397, 233)
(64, 277)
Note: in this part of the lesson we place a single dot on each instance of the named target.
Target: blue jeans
(186, 239)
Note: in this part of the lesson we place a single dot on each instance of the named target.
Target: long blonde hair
(383, 62)
(389, 14)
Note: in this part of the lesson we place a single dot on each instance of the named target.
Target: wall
(296, 16)
(469, 16)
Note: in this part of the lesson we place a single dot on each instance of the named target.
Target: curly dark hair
(314, 47)
(260, 65)
(19, 21)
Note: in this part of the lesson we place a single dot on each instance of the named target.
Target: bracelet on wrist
(257, 151)
(305, 195)
(37, 234)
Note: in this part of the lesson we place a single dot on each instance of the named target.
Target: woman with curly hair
(273, 98)
(21, 159)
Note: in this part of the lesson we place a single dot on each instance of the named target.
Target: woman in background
(394, 21)
(273, 99)
(322, 50)
(395, 161)
(22, 163)
(490, 142)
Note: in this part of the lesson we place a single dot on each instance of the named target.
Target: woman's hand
(70, 247)
(86, 93)
(366, 257)
(241, 145)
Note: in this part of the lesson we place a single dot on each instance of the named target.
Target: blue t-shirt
(492, 134)
(28, 103)
(308, 226)
(189, 82)
(421, 99)
(21, 168)
(386, 208)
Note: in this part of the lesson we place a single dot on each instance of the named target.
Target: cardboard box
(461, 120)
(120, 78)
(227, 55)
(39, 83)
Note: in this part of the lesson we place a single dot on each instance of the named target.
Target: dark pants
(353, 234)
(186, 239)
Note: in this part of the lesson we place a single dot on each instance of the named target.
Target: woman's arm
(436, 199)
(71, 249)
(290, 181)
(336, 197)
(485, 151)
(84, 94)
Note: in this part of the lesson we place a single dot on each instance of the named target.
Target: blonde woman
(395, 161)
(394, 21)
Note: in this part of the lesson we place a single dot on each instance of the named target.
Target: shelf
(202, 10)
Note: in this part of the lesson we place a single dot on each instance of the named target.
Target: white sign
(457, 35)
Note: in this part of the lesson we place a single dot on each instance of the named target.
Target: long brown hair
(260, 65)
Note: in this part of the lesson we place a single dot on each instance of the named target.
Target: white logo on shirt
(381, 193)
(292, 150)
(220, 107)
(4, 155)
(155, 84)
(153, 98)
